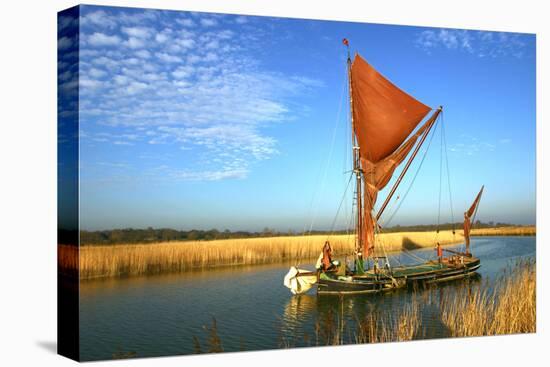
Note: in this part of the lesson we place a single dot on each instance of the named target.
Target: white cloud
(214, 101)
(121, 79)
(186, 43)
(183, 72)
(64, 43)
(89, 83)
(137, 32)
(168, 58)
(98, 18)
(134, 42)
(187, 22)
(136, 87)
(96, 73)
(479, 43)
(241, 20)
(208, 22)
(144, 54)
(224, 173)
(161, 37)
(471, 145)
(210, 56)
(102, 39)
(63, 22)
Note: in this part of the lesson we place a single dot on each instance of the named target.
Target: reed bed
(509, 308)
(135, 259)
(67, 258)
(505, 306)
(378, 326)
(506, 231)
(381, 327)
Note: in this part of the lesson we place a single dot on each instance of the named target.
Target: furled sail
(468, 215)
(383, 117)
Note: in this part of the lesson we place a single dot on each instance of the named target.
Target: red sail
(383, 114)
(377, 175)
(383, 117)
(468, 219)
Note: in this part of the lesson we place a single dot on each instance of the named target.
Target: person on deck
(325, 262)
(439, 252)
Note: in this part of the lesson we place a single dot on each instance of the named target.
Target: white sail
(299, 283)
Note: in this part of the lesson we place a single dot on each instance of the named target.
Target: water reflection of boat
(384, 121)
(298, 307)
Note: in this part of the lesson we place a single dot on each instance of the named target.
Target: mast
(356, 164)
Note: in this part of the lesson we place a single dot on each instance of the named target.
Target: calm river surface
(161, 315)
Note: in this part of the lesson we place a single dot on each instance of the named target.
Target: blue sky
(195, 120)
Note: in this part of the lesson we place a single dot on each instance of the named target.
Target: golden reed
(135, 259)
(506, 231)
(510, 308)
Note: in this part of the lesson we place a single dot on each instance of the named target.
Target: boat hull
(446, 272)
(371, 283)
(327, 285)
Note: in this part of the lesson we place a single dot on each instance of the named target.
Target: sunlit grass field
(506, 231)
(136, 259)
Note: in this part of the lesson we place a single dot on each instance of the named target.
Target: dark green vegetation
(154, 235)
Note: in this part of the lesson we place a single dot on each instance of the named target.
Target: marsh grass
(68, 260)
(382, 327)
(506, 231)
(136, 259)
(213, 340)
(507, 308)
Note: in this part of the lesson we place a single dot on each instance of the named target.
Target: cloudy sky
(196, 120)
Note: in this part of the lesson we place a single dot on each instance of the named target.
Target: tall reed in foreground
(135, 259)
(380, 327)
(508, 308)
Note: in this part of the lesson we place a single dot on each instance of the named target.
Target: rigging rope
(412, 182)
(339, 207)
(448, 172)
(440, 179)
(322, 186)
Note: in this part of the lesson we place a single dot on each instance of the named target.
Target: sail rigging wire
(448, 171)
(440, 178)
(380, 244)
(387, 222)
(412, 255)
(329, 159)
(444, 154)
(339, 207)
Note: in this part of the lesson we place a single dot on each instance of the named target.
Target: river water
(174, 314)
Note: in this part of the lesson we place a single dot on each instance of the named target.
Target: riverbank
(506, 231)
(137, 259)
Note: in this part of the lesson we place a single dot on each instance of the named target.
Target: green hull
(371, 282)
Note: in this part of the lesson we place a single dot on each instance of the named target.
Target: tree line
(153, 235)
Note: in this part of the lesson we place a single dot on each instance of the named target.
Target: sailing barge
(383, 121)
